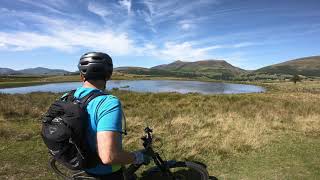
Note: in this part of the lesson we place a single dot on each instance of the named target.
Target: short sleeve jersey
(105, 114)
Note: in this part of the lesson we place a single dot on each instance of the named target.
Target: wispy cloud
(167, 30)
(60, 34)
(182, 51)
(126, 4)
(117, 44)
(186, 24)
(173, 9)
(50, 6)
(98, 9)
(243, 44)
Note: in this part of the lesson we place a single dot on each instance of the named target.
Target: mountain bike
(164, 170)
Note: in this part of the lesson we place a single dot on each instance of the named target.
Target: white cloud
(183, 51)
(175, 8)
(126, 4)
(186, 26)
(98, 9)
(51, 6)
(188, 52)
(22, 41)
(118, 44)
(158, 12)
(243, 44)
(60, 34)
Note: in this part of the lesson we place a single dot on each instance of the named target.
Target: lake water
(148, 86)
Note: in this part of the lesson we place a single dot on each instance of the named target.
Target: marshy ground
(273, 135)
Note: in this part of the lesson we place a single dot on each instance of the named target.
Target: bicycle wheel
(67, 174)
(179, 171)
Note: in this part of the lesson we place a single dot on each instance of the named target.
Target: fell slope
(307, 66)
(204, 66)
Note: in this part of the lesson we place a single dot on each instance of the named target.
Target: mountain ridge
(198, 65)
(33, 71)
(211, 68)
(8, 71)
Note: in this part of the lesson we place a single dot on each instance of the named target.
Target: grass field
(273, 135)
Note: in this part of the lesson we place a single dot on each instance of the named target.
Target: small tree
(296, 78)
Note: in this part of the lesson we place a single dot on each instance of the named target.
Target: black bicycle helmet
(96, 66)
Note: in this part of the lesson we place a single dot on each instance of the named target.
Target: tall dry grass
(197, 127)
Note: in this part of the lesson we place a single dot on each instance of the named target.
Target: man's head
(95, 66)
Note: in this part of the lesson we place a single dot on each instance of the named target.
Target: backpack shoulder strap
(69, 96)
(86, 99)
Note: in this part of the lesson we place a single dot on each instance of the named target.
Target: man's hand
(141, 157)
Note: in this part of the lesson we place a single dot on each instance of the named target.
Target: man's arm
(109, 149)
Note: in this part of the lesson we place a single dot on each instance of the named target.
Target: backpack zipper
(70, 141)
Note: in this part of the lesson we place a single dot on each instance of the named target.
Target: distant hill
(205, 66)
(33, 71)
(216, 69)
(171, 67)
(307, 66)
(7, 71)
(212, 69)
(43, 71)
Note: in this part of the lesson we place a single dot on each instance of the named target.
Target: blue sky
(249, 33)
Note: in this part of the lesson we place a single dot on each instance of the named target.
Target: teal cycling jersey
(105, 114)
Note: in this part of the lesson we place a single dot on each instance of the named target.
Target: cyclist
(105, 118)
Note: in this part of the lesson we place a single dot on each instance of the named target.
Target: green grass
(274, 135)
(292, 156)
(23, 155)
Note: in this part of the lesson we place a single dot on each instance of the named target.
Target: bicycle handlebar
(147, 144)
(147, 139)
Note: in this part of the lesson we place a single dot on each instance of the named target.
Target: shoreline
(262, 89)
(61, 79)
(268, 86)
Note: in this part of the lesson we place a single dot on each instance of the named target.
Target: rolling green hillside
(205, 66)
(33, 71)
(308, 66)
(213, 69)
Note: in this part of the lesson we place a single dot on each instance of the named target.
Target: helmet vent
(84, 63)
(97, 58)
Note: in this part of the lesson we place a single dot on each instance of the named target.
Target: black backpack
(64, 131)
